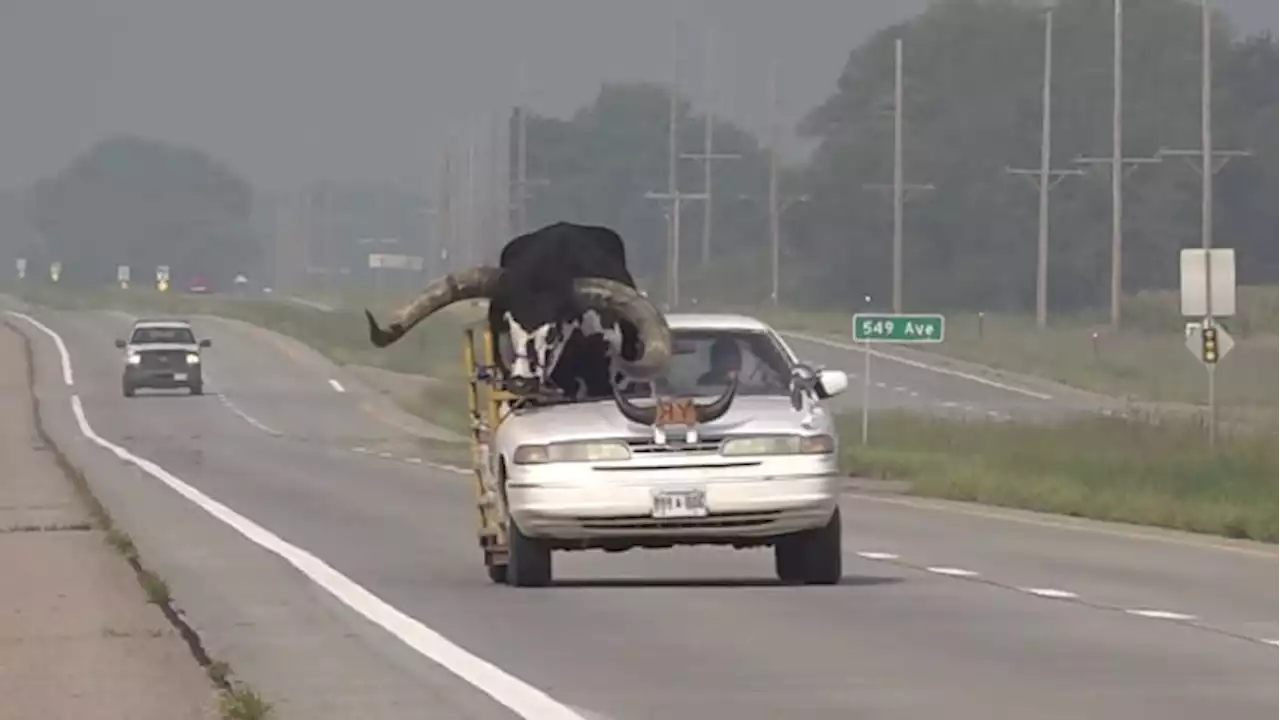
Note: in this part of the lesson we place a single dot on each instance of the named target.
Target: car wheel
(197, 389)
(528, 559)
(812, 557)
(128, 389)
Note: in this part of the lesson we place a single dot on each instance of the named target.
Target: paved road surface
(945, 611)
(906, 380)
(78, 638)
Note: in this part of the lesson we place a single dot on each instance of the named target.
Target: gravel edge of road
(238, 701)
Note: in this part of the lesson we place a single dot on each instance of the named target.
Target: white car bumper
(621, 505)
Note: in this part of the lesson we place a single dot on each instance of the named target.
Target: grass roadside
(237, 700)
(1153, 471)
(1157, 472)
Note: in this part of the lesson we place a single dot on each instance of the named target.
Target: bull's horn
(631, 411)
(655, 336)
(710, 412)
(477, 282)
(715, 409)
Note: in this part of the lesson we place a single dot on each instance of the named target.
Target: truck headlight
(193, 359)
(134, 359)
(779, 445)
(582, 451)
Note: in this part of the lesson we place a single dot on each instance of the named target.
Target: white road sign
(1222, 265)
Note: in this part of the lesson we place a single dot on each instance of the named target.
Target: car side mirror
(831, 383)
(206, 343)
(120, 344)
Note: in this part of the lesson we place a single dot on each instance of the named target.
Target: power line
(708, 156)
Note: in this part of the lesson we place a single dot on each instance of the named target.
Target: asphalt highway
(902, 378)
(946, 610)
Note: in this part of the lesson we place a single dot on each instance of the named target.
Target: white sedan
(580, 475)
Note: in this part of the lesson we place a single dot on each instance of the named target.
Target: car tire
(811, 557)
(528, 559)
(197, 389)
(128, 389)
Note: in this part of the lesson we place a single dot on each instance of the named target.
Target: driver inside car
(726, 358)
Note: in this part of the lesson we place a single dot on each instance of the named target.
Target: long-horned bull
(537, 297)
(648, 415)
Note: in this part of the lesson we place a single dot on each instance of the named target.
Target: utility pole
(523, 182)
(673, 194)
(1046, 179)
(1120, 166)
(1211, 162)
(775, 241)
(899, 187)
(707, 156)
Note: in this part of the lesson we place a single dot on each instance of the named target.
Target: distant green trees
(972, 77)
(142, 203)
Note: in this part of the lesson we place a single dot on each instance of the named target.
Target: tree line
(972, 107)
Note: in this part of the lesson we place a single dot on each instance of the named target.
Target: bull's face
(533, 350)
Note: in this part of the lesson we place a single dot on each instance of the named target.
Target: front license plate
(179, 377)
(680, 504)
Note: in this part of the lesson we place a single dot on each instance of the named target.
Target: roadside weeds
(237, 700)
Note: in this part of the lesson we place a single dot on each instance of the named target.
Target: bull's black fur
(539, 269)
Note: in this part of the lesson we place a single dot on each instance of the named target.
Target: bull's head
(534, 323)
(710, 412)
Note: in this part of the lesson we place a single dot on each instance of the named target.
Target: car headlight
(193, 359)
(582, 451)
(779, 445)
(134, 359)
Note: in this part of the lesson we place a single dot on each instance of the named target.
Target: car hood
(147, 347)
(600, 419)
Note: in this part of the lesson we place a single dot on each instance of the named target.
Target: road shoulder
(78, 637)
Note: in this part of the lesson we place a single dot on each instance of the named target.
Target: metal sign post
(1208, 290)
(891, 328)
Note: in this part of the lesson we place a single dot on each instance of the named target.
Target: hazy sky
(289, 90)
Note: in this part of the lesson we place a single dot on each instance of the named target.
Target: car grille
(675, 444)
(163, 359)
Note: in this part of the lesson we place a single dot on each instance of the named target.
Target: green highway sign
(889, 327)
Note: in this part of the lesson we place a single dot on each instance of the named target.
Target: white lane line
(899, 388)
(949, 404)
(413, 460)
(385, 455)
(922, 366)
(915, 394)
(1161, 614)
(994, 413)
(871, 555)
(513, 693)
(880, 385)
(952, 571)
(247, 417)
(360, 449)
(336, 385)
(65, 357)
(1272, 642)
(226, 401)
(1052, 593)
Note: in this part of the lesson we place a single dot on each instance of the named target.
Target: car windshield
(703, 357)
(145, 335)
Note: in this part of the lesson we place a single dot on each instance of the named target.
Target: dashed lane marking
(1160, 614)
(877, 555)
(1052, 593)
(952, 571)
(336, 385)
